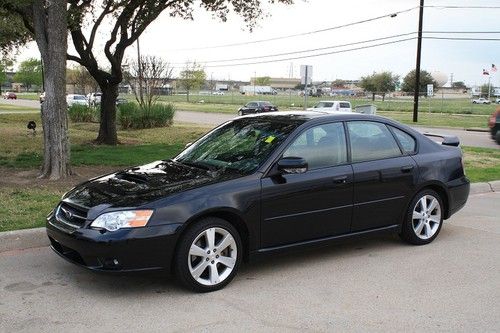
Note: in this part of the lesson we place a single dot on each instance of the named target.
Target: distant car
(94, 98)
(494, 125)
(257, 107)
(481, 101)
(332, 106)
(217, 93)
(121, 100)
(9, 95)
(497, 101)
(73, 99)
(42, 97)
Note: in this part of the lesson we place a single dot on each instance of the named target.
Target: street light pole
(417, 67)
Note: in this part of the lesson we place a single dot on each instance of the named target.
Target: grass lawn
(25, 204)
(10, 107)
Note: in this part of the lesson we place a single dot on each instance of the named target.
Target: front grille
(71, 215)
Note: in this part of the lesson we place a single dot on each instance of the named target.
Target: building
(279, 82)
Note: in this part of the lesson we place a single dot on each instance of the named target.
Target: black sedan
(258, 185)
(256, 107)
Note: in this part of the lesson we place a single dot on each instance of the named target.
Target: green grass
(9, 107)
(439, 119)
(482, 164)
(26, 208)
(29, 96)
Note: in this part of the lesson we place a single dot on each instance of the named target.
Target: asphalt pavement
(376, 285)
(467, 138)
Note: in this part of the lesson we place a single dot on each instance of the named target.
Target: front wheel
(208, 255)
(423, 219)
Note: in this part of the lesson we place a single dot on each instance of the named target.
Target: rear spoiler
(447, 140)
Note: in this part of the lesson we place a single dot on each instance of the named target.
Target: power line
(466, 38)
(312, 55)
(463, 7)
(308, 50)
(393, 14)
(461, 32)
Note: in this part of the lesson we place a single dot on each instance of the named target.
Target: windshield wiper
(197, 165)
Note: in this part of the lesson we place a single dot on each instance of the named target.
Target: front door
(314, 204)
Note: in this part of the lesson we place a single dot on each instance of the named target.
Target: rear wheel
(424, 218)
(209, 255)
(497, 137)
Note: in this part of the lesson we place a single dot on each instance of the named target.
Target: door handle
(340, 180)
(407, 168)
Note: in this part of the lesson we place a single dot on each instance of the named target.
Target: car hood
(143, 184)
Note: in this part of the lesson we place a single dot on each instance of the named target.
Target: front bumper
(137, 249)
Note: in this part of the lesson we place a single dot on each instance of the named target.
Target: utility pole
(417, 67)
(254, 79)
(305, 90)
(139, 69)
(489, 87)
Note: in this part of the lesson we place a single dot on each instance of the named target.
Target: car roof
(334, 101)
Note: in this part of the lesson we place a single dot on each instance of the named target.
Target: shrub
(82, 113)
(132, 116)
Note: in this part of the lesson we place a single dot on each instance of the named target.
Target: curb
(484, 130)
(23, 239)
(37, 237)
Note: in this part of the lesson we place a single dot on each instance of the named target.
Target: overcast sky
(171, 37)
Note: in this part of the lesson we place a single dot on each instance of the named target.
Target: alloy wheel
(212, 256)
(426, 217)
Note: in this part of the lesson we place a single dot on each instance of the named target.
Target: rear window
(371, 141)
(407, 142)
(345, 105)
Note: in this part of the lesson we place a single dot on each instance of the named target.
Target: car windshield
(241, 145)
(324, 105)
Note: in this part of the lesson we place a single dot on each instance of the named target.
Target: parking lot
(381, 284)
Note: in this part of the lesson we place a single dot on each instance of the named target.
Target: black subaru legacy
(257, 185)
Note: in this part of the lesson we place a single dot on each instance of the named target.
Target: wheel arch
(441, 190)
(228, 214)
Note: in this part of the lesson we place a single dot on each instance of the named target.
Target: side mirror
(292, 165)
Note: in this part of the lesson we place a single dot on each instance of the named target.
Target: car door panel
(298, 207)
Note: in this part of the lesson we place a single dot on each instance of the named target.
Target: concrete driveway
(377, 285)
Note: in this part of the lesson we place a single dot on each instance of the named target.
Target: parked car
(94, 98)
(9, 95)
(497, 101)
(481, 101)
(217, 92)
(121, 100)
(332, 106)
(73, 99)
(494, 125)
(256, 107)
(258, 185)
(42, 97)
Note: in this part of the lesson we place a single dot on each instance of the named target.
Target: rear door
(384, 177)
(314, 204)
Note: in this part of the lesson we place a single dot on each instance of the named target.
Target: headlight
(122, 219)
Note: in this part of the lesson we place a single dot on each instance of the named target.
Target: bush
(83, 113)
(132, 116)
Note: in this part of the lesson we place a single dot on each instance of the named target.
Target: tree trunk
(187, 95)
(107, 129)
(373, 96)
(51, 37)
(383, 97)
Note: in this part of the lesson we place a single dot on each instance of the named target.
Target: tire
(200, 268)
(421, 231)
(240, 113)
(497, 137)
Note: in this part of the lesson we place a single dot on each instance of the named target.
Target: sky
(178, 41)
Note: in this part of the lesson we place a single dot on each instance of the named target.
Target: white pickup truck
(332, 106)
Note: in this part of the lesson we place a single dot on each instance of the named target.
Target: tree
(459, 85)
(5, 64)
(262, 81)
(12, 31)
(484, 90)
(338, 83)
(147, 77)
(126, 20)
(192, 77)
(381, 83)
(46, 23)
(425, 79)
(80, 78)
(29, 73)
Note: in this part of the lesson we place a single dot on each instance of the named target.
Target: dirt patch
(29, 178)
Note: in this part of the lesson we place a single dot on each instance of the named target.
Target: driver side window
(321, 146)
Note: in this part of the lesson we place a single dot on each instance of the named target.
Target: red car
(9, 95)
